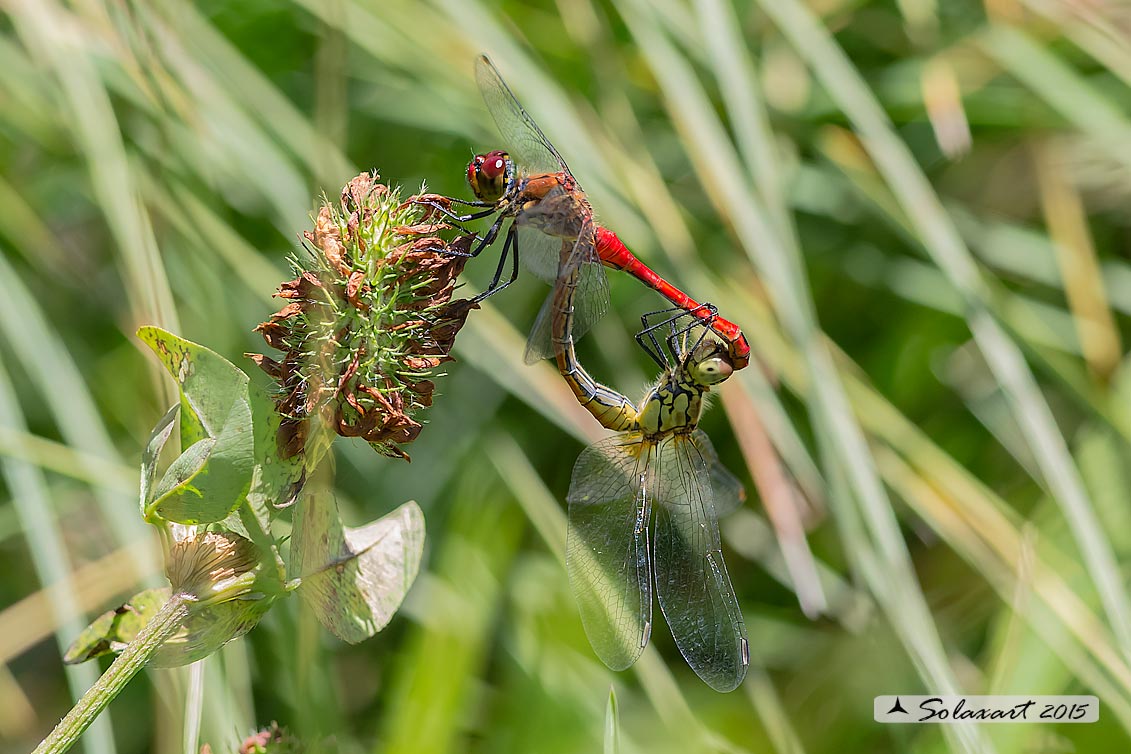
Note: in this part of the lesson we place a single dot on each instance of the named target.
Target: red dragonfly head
(489, 174)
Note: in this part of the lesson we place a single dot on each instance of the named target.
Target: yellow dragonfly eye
(709, 365)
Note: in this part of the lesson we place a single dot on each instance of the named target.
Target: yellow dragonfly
(644, 503)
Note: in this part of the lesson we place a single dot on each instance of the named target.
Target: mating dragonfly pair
(660, 470)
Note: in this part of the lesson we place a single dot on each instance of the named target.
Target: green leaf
(275, 483)
(612, 724)
(209, 383)
(206, 630)
(172, 498)
(217, 570)
(277, 480)
(157, 439)
(211, 478)
(114, 629)
(355, 579)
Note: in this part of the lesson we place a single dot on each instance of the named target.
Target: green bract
(355, 579)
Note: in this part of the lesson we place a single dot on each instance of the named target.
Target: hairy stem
(163, 625)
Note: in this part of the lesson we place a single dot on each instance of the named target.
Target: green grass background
(916, 210)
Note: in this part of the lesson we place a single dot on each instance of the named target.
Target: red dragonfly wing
(542, 227)
(607, 548)
(558, 215)
(591, 293)
(692, 583)
(527, 145)
(590, 304)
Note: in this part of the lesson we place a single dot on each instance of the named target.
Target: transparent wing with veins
(528, 146)
(555, 259)
(692, 583)
(729, 493)
(559, 216)
(607, 547)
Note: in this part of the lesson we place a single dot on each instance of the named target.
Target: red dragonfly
(552, 226)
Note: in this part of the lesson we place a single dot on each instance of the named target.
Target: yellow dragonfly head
(708, 364)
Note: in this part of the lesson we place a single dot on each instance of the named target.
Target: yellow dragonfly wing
(692, 582)
(729, 492)
(607, 548)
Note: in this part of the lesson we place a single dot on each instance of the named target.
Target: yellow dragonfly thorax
(670, 407)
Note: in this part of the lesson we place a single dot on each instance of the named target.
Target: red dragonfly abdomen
(615, 254)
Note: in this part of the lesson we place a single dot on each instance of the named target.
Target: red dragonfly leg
(615, 254)
(648, 340)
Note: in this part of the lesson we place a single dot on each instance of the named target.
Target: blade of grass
(738, 82)
(494, 346)
(764, 697)
(941, 238)
(17, 716)
(1034, 325)
(780, 498)
(612, 725)
(274, 111)
(27, 233)
(752, 538)
(49, 558)
(990, 524)
(44, 356)
(200, 223)
(51, 33)
(1072, 96)
(232, 710)
(1091, 31)
(194, 706)
(887, 567)
(64, 460)
(95, 585)
(1003, 569)
(1076, 255)
(434, 677)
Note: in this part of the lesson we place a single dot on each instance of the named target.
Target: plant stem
(163, 625)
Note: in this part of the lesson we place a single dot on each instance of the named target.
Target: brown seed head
(369, 316)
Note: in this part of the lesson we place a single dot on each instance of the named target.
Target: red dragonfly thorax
(494, 177)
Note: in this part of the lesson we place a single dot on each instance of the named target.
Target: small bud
(218, 571)
(270, 740)
(213, 567)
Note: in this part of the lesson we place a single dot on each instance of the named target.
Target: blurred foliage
(916, 210)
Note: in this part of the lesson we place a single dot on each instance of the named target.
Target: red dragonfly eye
(494, 164)
(487, 175)
(473, 168)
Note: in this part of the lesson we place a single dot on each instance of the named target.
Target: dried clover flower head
(370, 317)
